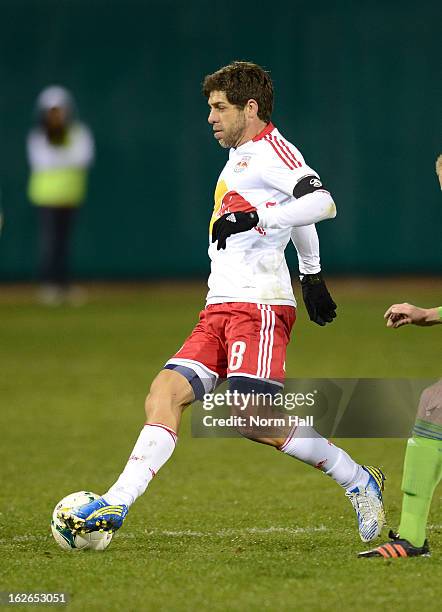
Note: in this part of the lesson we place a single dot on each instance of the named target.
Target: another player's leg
(422, 473)
(170, 393)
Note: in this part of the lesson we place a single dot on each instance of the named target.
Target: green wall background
(358, 90)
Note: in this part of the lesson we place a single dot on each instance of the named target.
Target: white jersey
(261, 175)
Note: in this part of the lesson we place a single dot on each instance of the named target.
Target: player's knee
(430, 404)
(255, 416)
(243, 427)
(169, 391)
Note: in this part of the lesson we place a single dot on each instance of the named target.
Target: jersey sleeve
(311, 208)
(282, 169)
(306, 242)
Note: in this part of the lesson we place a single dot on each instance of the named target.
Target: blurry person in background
(60, 152)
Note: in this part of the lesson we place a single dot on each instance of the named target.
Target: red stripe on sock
(168, 429)
(289, 437)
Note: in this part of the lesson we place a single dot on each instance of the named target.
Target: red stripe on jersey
(289, 153)
(268, 128)
(285, 153)
(279, 152)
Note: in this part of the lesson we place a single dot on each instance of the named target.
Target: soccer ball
(95, 540)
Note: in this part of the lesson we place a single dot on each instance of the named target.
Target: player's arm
(310, 203)
(319, 304)
(408, 314)
(306, 242)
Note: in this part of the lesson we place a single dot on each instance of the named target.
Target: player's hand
(407, 314)
(232, 223)
(318, 301)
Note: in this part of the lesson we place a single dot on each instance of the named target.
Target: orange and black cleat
(397, 549)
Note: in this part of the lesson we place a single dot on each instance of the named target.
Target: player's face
(227, 120)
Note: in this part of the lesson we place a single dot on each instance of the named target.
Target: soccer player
(266, 195)
(423, 458)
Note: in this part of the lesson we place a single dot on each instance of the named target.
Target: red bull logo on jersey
(231, 201)
(234, 202)
(243, 163)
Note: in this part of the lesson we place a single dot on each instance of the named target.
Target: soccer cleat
(397, 549)
(369, 505)
(98, 515)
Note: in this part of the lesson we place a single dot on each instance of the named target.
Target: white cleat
(368, 504)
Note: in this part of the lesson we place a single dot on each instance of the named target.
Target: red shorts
(238, 339)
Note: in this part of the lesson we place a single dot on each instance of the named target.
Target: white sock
(153, 448)
(322, 454)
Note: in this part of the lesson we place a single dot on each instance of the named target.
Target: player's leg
(363, 484)
(422, 466)
(422, 473)
(183, 380)
(169, 395)
(257, 342)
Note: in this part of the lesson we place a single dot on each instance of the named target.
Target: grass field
(227, 524)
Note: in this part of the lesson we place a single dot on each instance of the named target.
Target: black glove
(232, 223)
(319, 303)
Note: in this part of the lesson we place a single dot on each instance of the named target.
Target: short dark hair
(242, 81)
